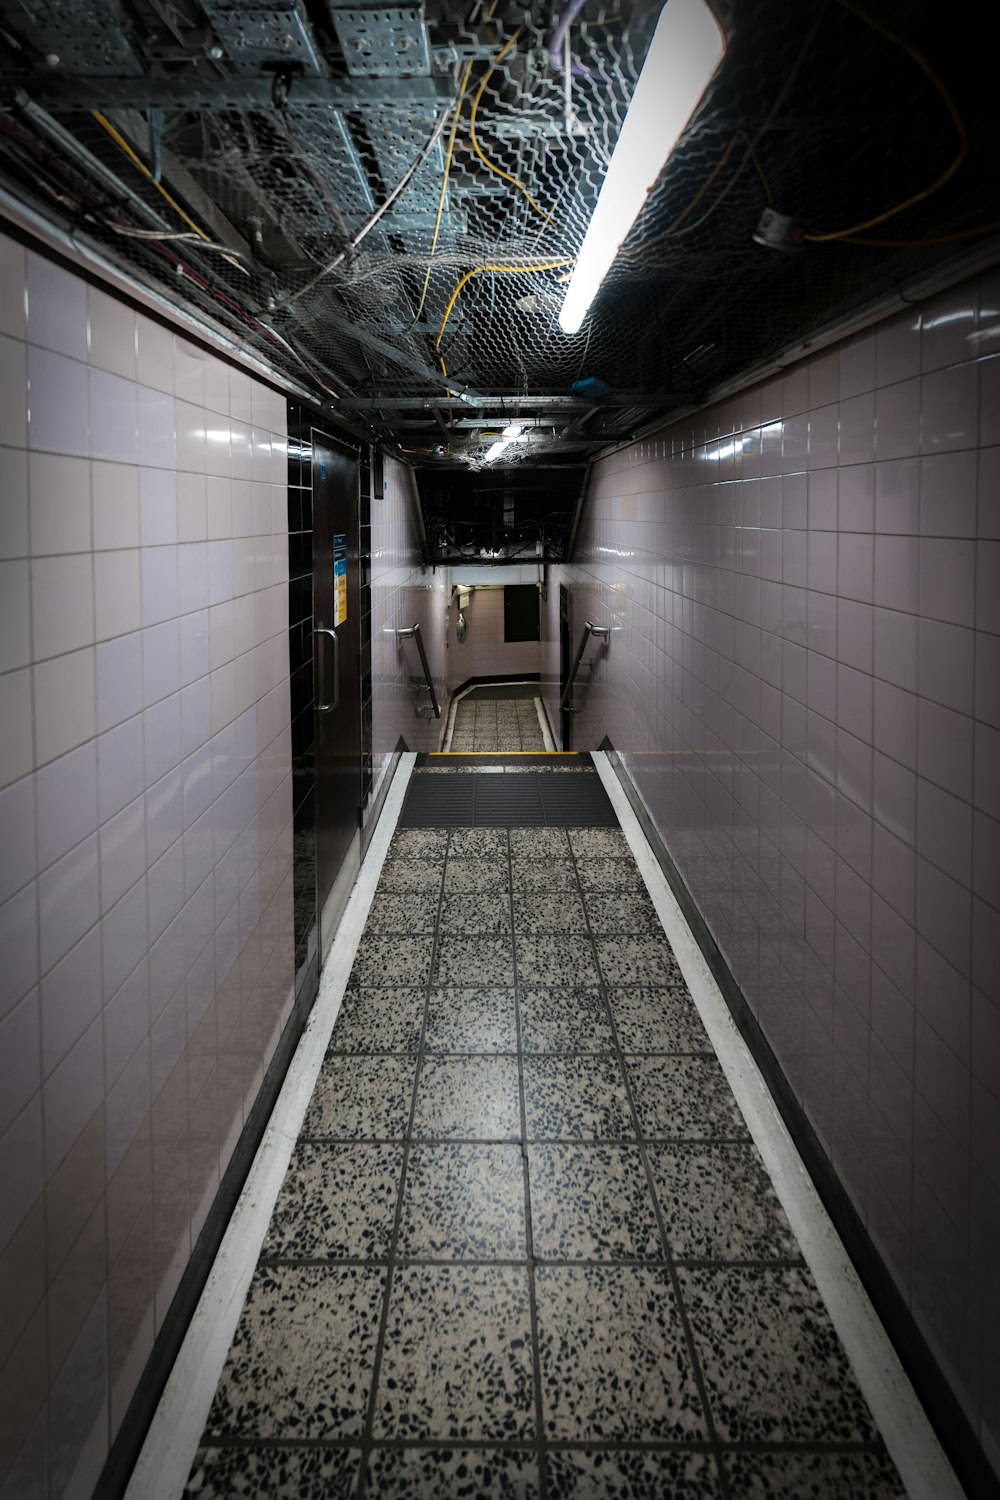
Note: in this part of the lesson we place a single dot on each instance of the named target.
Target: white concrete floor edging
(899, 1416)
(164, 1463)
(543, 724)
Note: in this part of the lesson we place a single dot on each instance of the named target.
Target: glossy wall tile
(145, 820)
(403, 593)
(801, 586)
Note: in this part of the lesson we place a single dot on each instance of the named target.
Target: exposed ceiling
(279, 134)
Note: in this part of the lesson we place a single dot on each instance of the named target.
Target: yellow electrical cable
(666, 233)
(765, 184)
(120, 140)
(475, 140)
(956, 119)
(549, 265)
(934, 239)
(444, 183)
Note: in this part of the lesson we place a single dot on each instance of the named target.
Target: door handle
(326, 708)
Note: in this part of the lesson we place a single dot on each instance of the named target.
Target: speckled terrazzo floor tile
(403, 911)
(471, 1098)
(358, 1097)
(623, 1474)
(539, 843)
(683, 1098)
(336, 1202)
(592, 1203)
(475, 875)
(657, 1020)
(281, 1473)
(473, 961)
(554, 960)
(559, 912)
(471, 913)
(300, 1364)
(478, 843)
(463, 1203)
(774, 1369)
(419, 843)
(564, 1020)
(548, 874)
(629, 914)
(637, 960)
(401, 875)
(452, 1474)
(457, 1355)
(813, 1476)
(575, 1098)
(373, 1019)
(469, 1020)
(718, 1204)
(392, 960)
(608, 874)
(599, 843)
(613, 1357)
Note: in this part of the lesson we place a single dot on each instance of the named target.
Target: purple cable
(565, 21)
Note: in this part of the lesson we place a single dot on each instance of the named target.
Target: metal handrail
(412, 632)
(600, 633)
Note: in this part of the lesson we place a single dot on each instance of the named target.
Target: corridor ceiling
(247, 159)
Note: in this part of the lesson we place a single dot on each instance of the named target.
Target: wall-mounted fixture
(687, 47)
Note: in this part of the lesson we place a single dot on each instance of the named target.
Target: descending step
(480, 799)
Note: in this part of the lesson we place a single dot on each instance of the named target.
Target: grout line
(525, 1447)
(169, 1450)
(667, 1258)
(529, 1239)
(391, 1259)
(692, 1262)
(896, 1411)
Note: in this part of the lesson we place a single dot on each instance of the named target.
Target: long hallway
(525, 1245)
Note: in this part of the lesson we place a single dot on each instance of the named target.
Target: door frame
(332, 901)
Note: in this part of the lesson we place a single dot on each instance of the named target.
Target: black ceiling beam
(61, 95)
(531, 403)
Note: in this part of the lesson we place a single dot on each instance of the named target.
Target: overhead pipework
(388, 203)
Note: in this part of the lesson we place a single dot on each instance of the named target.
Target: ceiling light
(513, 431)
(498, 447)
(686, 49)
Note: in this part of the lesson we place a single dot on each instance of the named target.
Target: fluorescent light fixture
(498, 447)
(513, 431)
(686, 49)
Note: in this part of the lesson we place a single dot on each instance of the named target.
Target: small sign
(339, 593)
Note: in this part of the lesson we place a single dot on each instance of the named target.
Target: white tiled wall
(145, 804)
(804, 682)
(403, 593)
(484, 652)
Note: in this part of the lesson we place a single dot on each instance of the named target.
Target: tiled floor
(525, 1246)
(493, 719)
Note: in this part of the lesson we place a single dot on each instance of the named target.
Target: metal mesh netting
(828, 113)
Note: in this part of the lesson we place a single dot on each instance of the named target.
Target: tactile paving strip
(487, 801)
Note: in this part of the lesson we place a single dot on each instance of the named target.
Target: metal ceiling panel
(256, 36)
(389, 41)
(87, 36)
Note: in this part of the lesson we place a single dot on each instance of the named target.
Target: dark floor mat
(503, 692)
(525, 760)
(490, 801)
